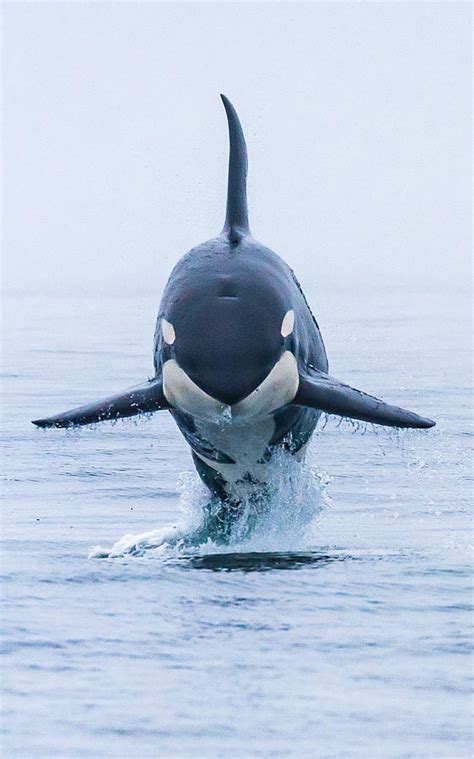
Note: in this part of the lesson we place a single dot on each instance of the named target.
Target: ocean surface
(340, 626)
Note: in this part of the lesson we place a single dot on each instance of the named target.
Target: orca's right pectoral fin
(321, 391)
(142, 399)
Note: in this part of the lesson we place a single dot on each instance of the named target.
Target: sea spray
(280, 517)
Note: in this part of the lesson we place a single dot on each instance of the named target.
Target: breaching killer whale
(239, 359)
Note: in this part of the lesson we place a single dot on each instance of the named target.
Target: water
(340, 627)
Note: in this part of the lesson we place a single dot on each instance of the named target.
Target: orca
(239, 360)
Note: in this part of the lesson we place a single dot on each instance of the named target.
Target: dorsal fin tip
(236, 221)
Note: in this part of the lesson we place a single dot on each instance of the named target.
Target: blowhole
(227, 289)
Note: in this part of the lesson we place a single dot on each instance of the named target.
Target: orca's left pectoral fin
(320, 391)
(142, 399)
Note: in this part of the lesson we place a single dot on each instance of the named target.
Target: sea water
(336, 622)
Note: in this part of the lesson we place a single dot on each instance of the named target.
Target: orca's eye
(288, 323)
(169, 335)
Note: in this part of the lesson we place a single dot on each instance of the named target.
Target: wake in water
(282, 518)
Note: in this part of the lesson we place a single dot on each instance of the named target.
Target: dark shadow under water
(262, 561)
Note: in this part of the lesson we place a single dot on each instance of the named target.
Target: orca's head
(227, 330)
(227, 316)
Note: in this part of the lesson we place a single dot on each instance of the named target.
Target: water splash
(282, 518)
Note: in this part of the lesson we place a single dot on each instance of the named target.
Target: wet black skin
(226, 303)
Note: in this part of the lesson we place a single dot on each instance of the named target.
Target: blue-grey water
(341, 627)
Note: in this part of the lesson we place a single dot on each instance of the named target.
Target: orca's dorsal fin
(141, 399)
(321, 391)
(236, 220)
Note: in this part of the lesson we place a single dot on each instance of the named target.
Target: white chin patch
(277, 389)
(288, 323)
(167, 329)
(183, 394)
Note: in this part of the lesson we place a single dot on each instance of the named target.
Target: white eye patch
(288, 323)
(169, 335)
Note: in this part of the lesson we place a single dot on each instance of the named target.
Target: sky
(357, 119)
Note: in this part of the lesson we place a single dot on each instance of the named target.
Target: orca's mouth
(277, 389)
(230, 380)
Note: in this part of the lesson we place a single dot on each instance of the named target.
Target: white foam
(285, 519)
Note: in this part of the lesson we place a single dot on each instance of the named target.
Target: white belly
(245, 444)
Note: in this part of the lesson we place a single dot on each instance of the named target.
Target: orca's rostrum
(239, 359)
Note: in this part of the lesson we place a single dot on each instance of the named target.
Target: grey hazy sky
(357, 118)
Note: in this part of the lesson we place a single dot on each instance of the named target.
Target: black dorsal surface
(236, 220)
